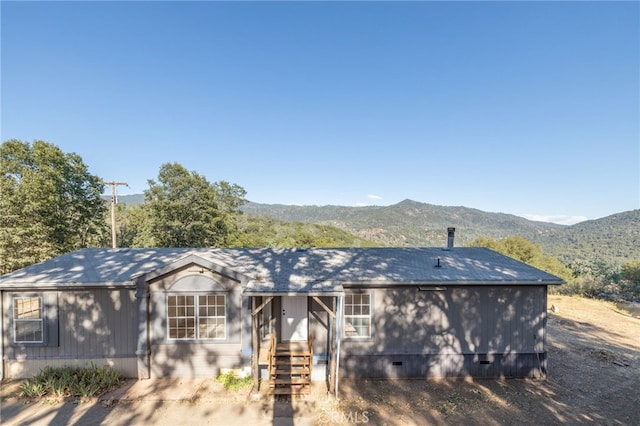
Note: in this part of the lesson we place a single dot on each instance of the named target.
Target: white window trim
(368, 316)
(196, 317)
(17, 320)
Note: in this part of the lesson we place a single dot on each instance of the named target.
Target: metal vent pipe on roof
(450, 236)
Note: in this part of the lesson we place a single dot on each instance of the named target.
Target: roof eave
(65, 286)
(380, 284)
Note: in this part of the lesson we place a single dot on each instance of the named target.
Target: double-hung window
(357, 315)
(196, 316)
(28, 320)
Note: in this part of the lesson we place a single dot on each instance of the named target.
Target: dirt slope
(594, 377)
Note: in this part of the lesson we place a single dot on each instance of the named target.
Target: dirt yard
(593, 377)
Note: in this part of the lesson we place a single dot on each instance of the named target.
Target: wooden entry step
(289, 391)
(292, 381)
(292, 362)
(290, 367)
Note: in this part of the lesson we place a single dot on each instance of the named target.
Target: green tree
(630, 285)
(49, 204)
(183, 209)
(631, 271)
(525, 251)
(130, 220)
(593, 278)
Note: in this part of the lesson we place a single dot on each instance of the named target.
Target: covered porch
(296, 337)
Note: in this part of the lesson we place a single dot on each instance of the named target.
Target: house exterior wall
(90, 326)
(277, 316)
(454, 331)
(194, 358)
(319, 327)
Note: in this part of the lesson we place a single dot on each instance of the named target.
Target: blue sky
(523, 108)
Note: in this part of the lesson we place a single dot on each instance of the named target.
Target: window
(196, 317)
(212, 317)
(357, 315)
(33, 319)
(28, 324)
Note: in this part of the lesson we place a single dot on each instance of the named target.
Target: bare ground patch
(594, 377)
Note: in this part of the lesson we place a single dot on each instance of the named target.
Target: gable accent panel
(197, 283)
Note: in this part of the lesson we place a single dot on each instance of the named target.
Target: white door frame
(294, 316)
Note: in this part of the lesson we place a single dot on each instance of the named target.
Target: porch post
(255, 344)
(332, 343)
(142, 350)
(339, 317)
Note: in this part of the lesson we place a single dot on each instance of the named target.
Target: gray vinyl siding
(319, 327)
(444, 365)
(92, 326)
(194, 358)
(277, 316)
(454, 331)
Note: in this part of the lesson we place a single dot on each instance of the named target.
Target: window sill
(192, 341)
(28, 344)
(358, 339)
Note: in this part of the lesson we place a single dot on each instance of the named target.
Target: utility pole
(113, 208)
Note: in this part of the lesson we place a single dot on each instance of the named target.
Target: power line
(113, 208)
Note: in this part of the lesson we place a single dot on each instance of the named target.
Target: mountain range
(613, 239)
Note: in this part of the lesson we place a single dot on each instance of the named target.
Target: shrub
(232, 382)
(32, 389)
(71, 382)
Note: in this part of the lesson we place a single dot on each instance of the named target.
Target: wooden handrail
(310, 355)
(272, 350)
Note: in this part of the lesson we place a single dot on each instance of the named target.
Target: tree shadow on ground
(592, 378)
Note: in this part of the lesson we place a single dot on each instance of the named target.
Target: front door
(294, 318)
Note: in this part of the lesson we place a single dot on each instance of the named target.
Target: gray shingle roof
(288, 270)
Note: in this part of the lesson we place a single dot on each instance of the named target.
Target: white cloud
(560, 219)
(374, 200)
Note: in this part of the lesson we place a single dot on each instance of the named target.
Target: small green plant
(32, 389)
(232, 382)
(71, 382)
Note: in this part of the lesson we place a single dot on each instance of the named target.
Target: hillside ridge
(613, 239)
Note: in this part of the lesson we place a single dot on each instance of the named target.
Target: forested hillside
(51, 205)
(268, 232)
(129, 199)
(409, 223)
(614, 239)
